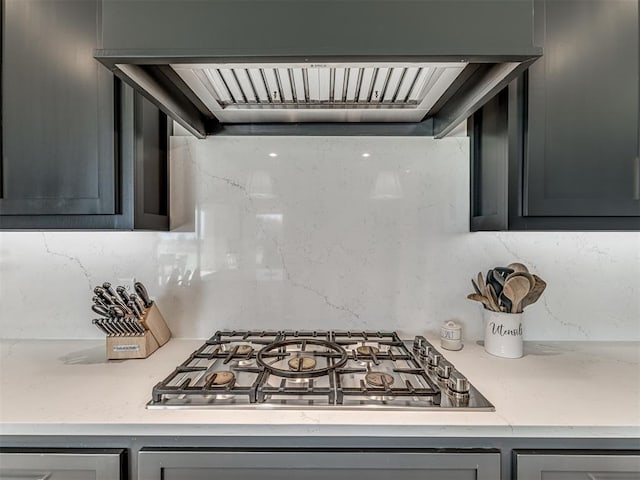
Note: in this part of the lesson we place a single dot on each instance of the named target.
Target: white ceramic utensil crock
(503, 334)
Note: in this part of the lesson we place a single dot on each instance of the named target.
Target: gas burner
(333, 356)
(379, 379)
(367, 350)
(244, 350)
(301, 364)
(223, 377)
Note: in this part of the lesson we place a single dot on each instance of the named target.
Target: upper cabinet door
(582, 146)
(57, 111)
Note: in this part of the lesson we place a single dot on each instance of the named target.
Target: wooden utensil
(493, 298)
(535, 292)
(482, 285)
(479, 298)
(516, 289)
(518, 267)
(526, 275)
(476, 287)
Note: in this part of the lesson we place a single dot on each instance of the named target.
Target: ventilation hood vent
(374, 92)
(213, 64)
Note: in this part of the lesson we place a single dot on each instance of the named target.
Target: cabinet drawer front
(587, 466)
(314, 465)
(60, 466)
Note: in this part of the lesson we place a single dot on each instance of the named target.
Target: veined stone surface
(319, 236)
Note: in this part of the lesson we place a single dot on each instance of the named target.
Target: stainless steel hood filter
(372, 92)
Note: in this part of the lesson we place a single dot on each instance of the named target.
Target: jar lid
(452, 325)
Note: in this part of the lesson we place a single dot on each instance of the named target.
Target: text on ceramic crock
(450, 334)
(500, 330)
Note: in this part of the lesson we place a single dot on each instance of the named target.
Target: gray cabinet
(581, 154)
(72, 464)
(559, 465)
(78, 149)
(317, 465)
(560, 148)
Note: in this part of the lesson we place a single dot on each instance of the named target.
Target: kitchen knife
(107, 286)
(123, 323)
(123, 294)
(106, 322)
(139, 327)
(98, 323)
(99, 301)
(103, 294)
(118, 303)
(135, 326)
(100, 310)
(134, 298)
(117, 325)
(144, 295)
(126, 323)
(118, 312)
(133, 307)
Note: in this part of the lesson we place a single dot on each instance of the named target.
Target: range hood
(215, 63)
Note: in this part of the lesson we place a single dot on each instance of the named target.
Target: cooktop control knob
(444, 369)
(458, 383)
(418, 342)
(434, 359)
(424, 352)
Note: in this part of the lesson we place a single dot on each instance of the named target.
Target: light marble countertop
(577, 390)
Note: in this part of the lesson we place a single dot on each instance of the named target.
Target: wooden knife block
(141, 346)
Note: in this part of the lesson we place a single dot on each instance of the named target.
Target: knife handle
(102, 294)
(118, 303)
(122, 292)
(139, 303)
(133, 307)
(107, 286)
(99, 301)
(143, 294)
(100, 310)
(98, 323)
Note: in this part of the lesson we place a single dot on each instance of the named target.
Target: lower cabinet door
(71, 464)
(317, 465)
(558, 465)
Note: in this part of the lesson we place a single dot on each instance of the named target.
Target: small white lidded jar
(451, 335)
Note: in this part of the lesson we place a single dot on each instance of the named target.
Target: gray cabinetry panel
(70, 465)
(489, 165)
(315, 465)
(57, 111)
(559, 465)
(582, 150)
(572, 135)
(79, 149)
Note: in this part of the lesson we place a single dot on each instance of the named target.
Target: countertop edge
(435, 431)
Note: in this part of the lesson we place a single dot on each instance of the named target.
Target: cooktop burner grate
(315, 368)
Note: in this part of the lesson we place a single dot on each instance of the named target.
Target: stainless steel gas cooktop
(317, 369)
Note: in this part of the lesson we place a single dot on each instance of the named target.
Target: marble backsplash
(320, 233)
